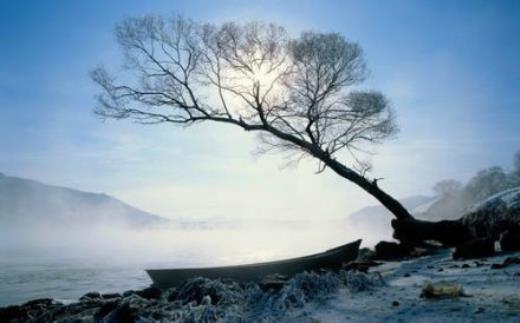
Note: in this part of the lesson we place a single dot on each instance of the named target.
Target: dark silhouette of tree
(293, 92)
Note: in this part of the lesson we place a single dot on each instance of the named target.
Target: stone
(194, 290)
(111, 295)
(128, 293)
(386, 250)
(360, 265)
(10, 313)
(105, 309)
(421, 252)
(206, 300)
(442, 290)
(480, 264)
(365, 254)
(37, 310)
(477, 248)
(122, 313)
(149, 293)
(453, 266)
(506, 263)
(90, 296)
(273, 282)
(510, 240)
(39, 301)
(494, 215)
(498, 266)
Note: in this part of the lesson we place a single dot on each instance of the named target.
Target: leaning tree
(296, 93)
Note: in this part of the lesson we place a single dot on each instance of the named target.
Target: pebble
(91, 295)
(111, 295)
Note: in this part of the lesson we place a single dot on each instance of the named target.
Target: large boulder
(478, 248)
(149, 293)
(510, 239)
(386, 250)
(494, 215)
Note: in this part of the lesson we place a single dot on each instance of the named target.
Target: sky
(449, 68)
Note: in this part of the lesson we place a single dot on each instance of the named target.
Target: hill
(374, 221)
(25, 201)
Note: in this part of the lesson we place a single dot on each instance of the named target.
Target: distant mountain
(25, 201)
(446, 207)
(375, 220)
(410, 203)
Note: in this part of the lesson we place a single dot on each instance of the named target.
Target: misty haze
(231, 161)
(58, 241)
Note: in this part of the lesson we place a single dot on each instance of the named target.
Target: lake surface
(67, 264)
(65, 280)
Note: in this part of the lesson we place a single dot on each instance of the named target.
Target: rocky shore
(431, 288)
(198, 300)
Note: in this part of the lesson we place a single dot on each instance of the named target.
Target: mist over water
(66, 262)
(62, 243)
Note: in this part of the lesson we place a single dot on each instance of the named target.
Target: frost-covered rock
(495, 214)
(201, 290)
(203, 300)
(304, 288)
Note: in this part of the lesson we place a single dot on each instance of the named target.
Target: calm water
(66, 279)
(41, 265)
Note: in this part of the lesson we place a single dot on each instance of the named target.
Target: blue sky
(450, 69)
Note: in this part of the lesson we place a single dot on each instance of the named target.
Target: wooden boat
(330, 259)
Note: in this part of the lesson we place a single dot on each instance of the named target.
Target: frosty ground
(492, 294)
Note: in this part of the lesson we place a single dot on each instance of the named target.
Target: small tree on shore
(294, 92)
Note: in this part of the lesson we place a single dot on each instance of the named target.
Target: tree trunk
(394, 206)
(408, 230)
(448, 232)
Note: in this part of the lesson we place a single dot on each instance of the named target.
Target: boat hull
(330, 259)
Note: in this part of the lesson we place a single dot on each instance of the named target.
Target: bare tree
(293, 92)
